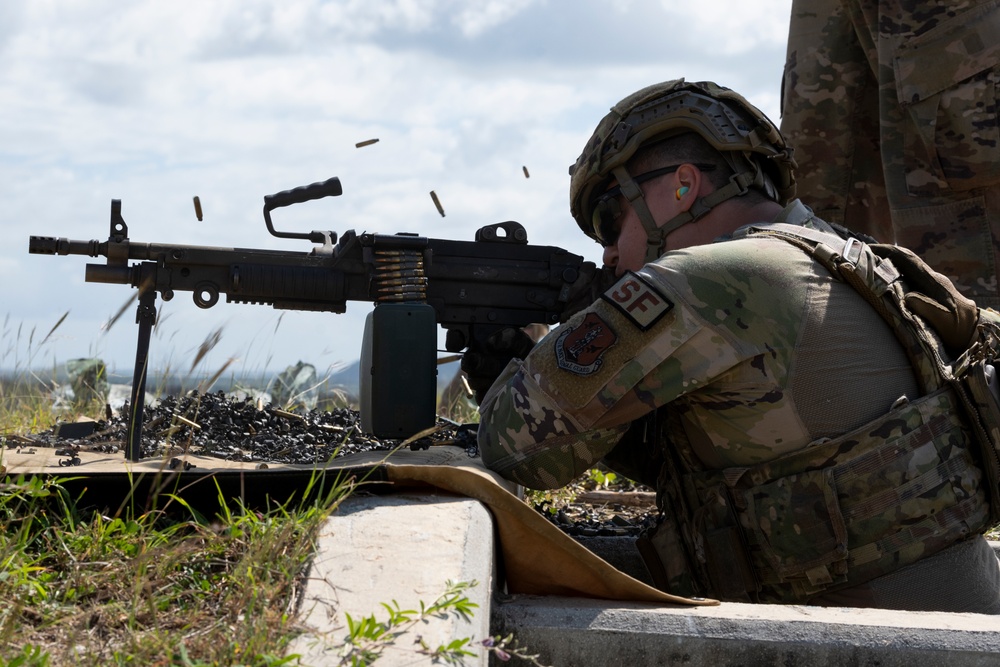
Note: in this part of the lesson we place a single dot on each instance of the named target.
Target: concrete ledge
(574, 632)
(402, 547)
(405, 546)
(568, 632)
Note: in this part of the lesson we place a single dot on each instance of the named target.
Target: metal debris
(20, 439)
(71, 449)
(437, 203)
(236, 430)
(177, 463)
(288, 415)
(187, 422)
(79, 429)
(581, 519)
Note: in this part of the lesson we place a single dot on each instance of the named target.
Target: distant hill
(348, 377)
(345, 378)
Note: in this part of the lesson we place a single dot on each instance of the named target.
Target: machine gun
(471, 288)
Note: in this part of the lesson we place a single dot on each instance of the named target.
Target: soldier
(891, 109)
(797, 452)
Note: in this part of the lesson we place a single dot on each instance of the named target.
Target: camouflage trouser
(891, 108)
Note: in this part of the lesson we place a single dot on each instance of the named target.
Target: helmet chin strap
(656, 235)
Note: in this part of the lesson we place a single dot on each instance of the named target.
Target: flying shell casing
(437, 203)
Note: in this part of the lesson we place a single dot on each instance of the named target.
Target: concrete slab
(576, 633)
(402, 547)
(573, 631)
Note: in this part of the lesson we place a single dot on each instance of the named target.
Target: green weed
(368, 637)
(127, 586)
(81, 587)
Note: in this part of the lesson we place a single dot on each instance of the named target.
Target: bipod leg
(145, 316)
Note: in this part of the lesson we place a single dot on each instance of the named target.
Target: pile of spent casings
(215, 425)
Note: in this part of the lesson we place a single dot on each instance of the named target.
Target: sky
(155, 102)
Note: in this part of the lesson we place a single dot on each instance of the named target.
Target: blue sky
(155, 102)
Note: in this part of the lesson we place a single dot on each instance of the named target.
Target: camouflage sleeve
(549, 418)
(539, 462)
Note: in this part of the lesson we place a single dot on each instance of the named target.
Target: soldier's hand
(592, 283)
(482, 366)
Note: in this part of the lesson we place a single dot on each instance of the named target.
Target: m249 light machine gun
(471, 288)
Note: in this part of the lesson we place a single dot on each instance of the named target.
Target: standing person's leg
(830, 116)
(938, 69)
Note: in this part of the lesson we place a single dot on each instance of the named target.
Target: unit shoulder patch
(579, 350)
(639, 301)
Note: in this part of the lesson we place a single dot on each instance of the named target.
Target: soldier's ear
(688, 181)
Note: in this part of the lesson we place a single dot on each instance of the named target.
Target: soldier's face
(667, 195)
(628, 251)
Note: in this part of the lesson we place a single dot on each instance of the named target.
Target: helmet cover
(744, 136)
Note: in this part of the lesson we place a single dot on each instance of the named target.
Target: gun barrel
(50, 245)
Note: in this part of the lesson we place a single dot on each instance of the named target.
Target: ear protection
(681, 191)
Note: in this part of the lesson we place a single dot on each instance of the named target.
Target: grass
(90, 586)
(82, 587)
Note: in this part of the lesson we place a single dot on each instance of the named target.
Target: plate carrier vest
(841, 511)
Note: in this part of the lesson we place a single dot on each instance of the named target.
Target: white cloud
(729, 27)
(476, 18)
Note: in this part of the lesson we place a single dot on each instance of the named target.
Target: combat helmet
(748, 141)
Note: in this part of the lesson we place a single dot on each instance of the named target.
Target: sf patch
(579, 350)
(639, 301)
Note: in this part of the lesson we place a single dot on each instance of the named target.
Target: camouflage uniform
(758, 352)
(891, 110)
